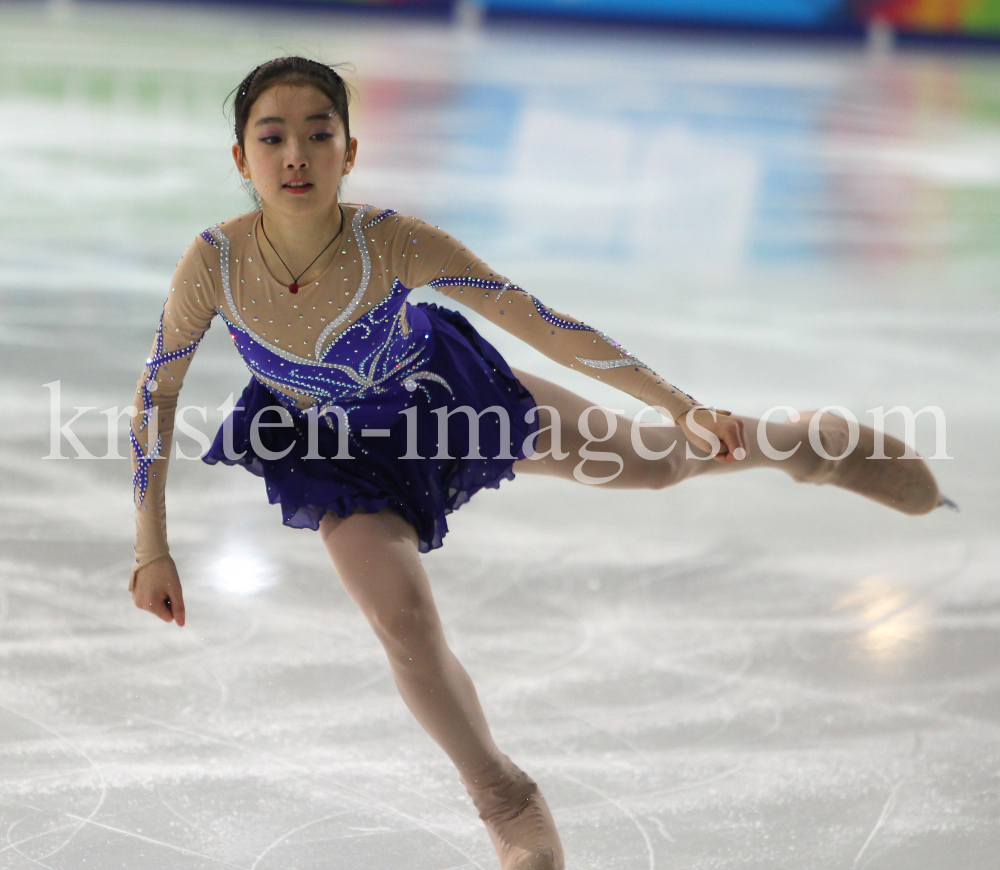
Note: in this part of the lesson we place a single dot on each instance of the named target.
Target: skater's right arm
(187, 314)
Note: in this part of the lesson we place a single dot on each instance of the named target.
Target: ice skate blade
(944, 501)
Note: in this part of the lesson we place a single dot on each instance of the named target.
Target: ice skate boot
(518, 819)
(904, 484)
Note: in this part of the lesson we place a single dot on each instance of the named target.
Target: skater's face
(295, 150)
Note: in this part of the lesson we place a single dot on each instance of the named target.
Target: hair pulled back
(289, 71)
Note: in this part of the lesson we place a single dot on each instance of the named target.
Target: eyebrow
(274, 119)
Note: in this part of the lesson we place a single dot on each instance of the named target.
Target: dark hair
(288, 70)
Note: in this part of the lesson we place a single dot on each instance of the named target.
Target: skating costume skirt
(386, 472)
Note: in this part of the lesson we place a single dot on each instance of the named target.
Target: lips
(297, 186)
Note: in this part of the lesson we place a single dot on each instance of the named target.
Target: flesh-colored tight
(377, 560)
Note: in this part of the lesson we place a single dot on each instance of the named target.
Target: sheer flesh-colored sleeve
(187, 313)
(428, 256)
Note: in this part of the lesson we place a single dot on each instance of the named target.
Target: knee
(658, 472)
(662, 474)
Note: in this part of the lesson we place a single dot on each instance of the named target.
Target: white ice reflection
(896, 623)
(659, 188)
(243, 573)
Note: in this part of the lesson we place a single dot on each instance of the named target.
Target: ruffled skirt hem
(308, 516)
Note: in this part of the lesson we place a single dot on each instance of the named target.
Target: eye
(270, 140)
(321, 137)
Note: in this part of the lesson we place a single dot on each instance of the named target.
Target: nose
(295, 157)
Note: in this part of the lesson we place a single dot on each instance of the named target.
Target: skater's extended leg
(378, 562)
(634, 470)
(905, 484)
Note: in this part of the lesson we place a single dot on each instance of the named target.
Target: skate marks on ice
(741, 673)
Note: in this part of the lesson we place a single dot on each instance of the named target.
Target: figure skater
(351, 382)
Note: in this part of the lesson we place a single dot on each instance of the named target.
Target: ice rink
(740, 672)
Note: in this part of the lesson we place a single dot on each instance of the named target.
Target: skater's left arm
(427, 255)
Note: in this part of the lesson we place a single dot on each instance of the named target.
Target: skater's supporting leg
(378, 562)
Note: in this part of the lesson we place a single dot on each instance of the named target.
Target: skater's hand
(727, 431)
(158, 590)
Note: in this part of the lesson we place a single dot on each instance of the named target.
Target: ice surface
(738, 673)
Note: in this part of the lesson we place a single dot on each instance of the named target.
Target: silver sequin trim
(410, 381)
(366, 272)
(509, 285)
(612, 363)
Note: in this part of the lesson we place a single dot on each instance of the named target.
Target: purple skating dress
(361, 399)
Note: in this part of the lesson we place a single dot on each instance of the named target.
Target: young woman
(350, 384)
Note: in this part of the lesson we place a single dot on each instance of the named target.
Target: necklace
(294, 286)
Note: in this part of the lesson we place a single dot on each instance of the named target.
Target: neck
(299, 238)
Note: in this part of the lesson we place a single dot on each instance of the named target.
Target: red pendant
(293, 287)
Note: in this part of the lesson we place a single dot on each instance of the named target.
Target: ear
(350, 155)
(241, 165)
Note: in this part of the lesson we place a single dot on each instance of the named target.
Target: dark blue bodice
(376, 354)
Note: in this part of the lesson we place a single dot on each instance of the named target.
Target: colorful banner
(949, 17)
(938, 16)
(774, 13)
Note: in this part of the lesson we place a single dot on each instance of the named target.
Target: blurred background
(782, 202)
